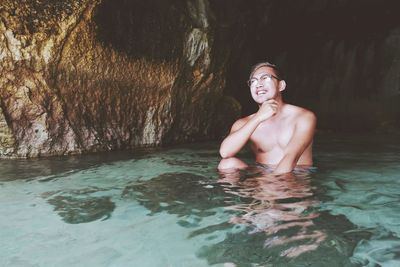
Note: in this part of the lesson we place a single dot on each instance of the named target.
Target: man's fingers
(274, 105)
(270, 102)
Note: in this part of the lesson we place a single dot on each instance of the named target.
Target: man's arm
(238, 137)
(244, 128)
(301, 139)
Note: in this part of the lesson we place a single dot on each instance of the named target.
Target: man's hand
(242, 129)
(268, 109)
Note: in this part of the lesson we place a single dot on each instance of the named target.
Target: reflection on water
(282, 223)
(20, 169)
(264, 219)
(282, 207)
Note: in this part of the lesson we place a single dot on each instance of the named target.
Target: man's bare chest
(269, 137)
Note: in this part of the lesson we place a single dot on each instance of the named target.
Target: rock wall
(98, 75)
(92, 75)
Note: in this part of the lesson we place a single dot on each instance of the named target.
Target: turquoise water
(170, 207)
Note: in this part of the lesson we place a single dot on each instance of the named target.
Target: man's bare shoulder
(301, 116)
(299, 112)
(240, 122)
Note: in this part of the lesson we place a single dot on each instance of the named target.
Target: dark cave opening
(342, 45)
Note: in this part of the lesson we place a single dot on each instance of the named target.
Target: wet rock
(89, 75)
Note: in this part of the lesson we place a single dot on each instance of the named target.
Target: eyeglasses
(264, 79)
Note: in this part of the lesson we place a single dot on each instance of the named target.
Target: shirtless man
(280, 134)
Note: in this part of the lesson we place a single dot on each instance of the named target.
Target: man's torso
(272, 136)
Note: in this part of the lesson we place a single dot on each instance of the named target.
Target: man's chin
(261, 100)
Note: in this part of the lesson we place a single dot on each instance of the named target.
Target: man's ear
(282, 85)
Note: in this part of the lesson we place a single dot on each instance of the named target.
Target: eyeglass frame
(262, 78)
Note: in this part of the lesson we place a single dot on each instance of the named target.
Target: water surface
(170, 207)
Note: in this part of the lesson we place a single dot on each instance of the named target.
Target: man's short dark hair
(266, 64)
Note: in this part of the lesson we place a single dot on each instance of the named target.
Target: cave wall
(92, 75)
(98, 75)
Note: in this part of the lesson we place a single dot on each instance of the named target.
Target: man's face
(264, 85)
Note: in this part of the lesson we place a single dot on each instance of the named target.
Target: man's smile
(261, 92)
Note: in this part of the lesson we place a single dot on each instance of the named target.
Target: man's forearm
(235, 141)
(300, 140)
(287, 164)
